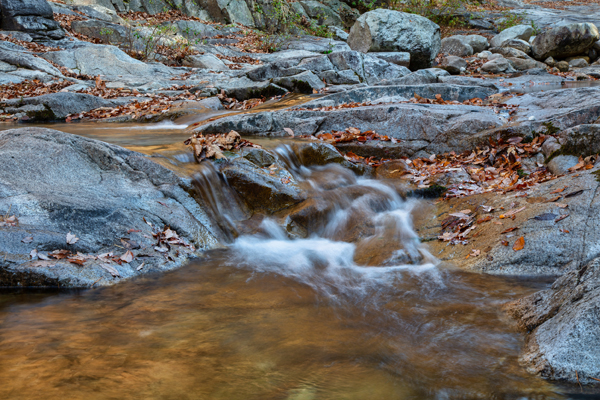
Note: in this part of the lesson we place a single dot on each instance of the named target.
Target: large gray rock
(565, 41)
(522, 32)
(518, 44)
(32, 16)
(205, 61)
(106, 31)
(305, 82)
(425, 127)
(96, 59)
(56, 183)
(386, 30)
(499, 65)
(454, 64)
(323, 14)
(394, 57)
(27, 60)
(562, 325)
(54, 106)
(456, 47)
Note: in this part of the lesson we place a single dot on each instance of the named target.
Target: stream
(358, 310)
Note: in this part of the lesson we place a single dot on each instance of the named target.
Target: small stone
(484, 55)
(562, 66)
(454, 64)
(550, 62)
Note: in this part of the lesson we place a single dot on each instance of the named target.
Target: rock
(18, 35)
(547, 251)
(484, 55)
(524, 64)
(99, 12)
(386, 30)
(581, 140)
(550, 62)
(322, 13)
(56, 183)
(578, 63)
(315, 44)
(106, 31)
(205, 61)
(456, 47)
(510, 52)
(244, 90)
(565, 41)
(523, 32)
(562, 66)
(500, 65)
(422, 76)
(394, 57)
(310, 154)
(518, 44)
(477, 42)
(259, 157)
(425, 127)
(454, 65)
(376, 70)
(346, 77)
(560, 165)
(27, 60)
(96, 59)
(31, 16)
(562, 326)
(393, 169)
(260, 190)
(338, 33)
(55, 106)
(305, 82)
(195, 30)
(450, 92)
(231, 11)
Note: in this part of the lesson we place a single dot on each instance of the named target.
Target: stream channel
(270, 317)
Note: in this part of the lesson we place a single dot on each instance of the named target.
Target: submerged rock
(56, 183)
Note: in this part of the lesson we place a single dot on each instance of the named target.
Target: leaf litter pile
(213, 146)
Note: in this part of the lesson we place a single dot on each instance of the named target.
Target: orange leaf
(519, 244)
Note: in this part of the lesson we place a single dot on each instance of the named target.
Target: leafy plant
(442, 12)
(509, 20)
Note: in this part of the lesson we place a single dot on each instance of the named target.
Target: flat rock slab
(56, 183)
(425, 128)
(547, 250)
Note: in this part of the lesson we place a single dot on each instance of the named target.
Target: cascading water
(351, 307)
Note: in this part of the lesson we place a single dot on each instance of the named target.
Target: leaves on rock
(111, 270)
(212, 146)
(72, 239)
(545, 217)
(519, 244)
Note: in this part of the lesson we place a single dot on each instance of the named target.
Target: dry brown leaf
(289, 131)
(111, 270)
(519, 244)
(127, 257)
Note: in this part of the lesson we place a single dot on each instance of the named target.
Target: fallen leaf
(465, 212)
(562, 205)
(111, 270)
(573, 194)
(504, 243)
(564, 230)
(127, 257)
(519, 244)
(509, 230)
(561, 218)
(553, 199)
(558, 190)
(72, 239)
(498, 222)
(545, 217)
(289, 132)
(33, 254)
(484, 219)
(27, 239)
(140, 267)
(43, 264)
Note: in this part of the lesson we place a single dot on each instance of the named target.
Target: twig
(596, 379)
(577, 376)
(92, 285)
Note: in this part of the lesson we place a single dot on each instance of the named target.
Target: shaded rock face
(386, 30)
(565, 41)
(32, 16)
(523, 32)
(56, 183)
(563, 323)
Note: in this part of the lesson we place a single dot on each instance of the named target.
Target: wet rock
(454, 46)
(454, 65)
(522, 32)
(391, 170)
(560, 165)
(547, 251)
(55, 106)
(386, 30)
(205, 61)
(311, 154)
(260, 190)
(259, 157)
(305, 82)
(500, 65)
(562, 326)
(42, 186)
(31, 16)
(252, 90)
(565, 41)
